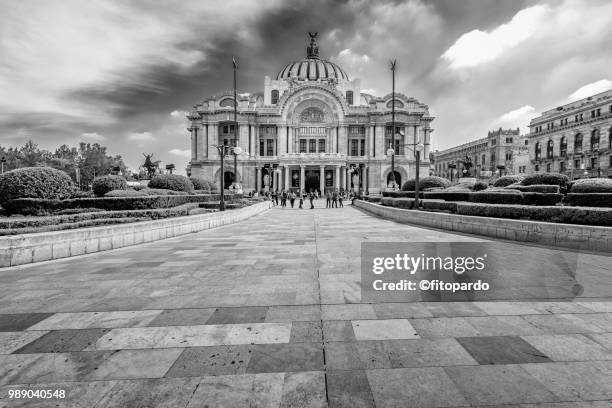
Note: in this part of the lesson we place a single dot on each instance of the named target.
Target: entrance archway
(228, 179)
(312, 181)
(398, 179)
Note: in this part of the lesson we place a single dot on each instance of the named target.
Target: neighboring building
(574, 139)
(311, 126)
(497, 153)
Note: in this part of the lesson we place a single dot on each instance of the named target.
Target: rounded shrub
(593, 185)
(103, 184)
(173, 182)
(35, 182)
(426, 182)
(546, 178)
(200, 183)
(504, 181)
(479, 186)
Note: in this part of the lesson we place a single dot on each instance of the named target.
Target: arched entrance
(228, 179)
(398, 179)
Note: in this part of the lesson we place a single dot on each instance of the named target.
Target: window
(549, 149)
(492, 157)
(577, 164)
(526, 142)
(261, 147)
(538, 151)
(302, 145)
(562, 166)
(578, 143)
(483, 160)
(537, 167)
(388, 130)
(563, 149)
(274, 97)
(312, 146)
(354, 147)
(269, 147)
(349, 97)
(595, 139)
(593, 162)
(598, 112)
(548, 167)
(362, 148)
(508, 155)
(493, 142)
(508, 140)
(321, 145)
(592, 114)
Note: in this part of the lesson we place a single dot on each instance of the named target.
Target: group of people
(334, 199)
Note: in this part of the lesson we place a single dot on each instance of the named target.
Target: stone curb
(581, 237)
(45, 246)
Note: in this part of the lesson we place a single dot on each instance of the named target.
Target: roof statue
(313, 49)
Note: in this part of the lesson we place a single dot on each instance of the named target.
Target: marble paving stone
(349, 389)
(338, 330)
(348, 312)
(503, 326)
(569, 347)
(453, 309)
(148, 393)
(62, 341)
(78, 394)
(20, 321)
(194, 336)
(570, 404)
(269, 358)
(414, 387)
(601, 320)
(50, 367)
(293, 313)
(216, 360)
(182, 317)
(236, 315)
(132, 364)
(401, 310)
(384, 329)
(443, 327)
(89, 320)
(575, 381)
(562, 324)
(507, 308)
(304, 389)
(499, 384)
(239, 391)
(598, 306)
(559, 307)
(605, 339)
(306, 332)
(427, 353)
(344, 356)
(502, 350)
(11, 341)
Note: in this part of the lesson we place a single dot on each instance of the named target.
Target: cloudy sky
(123, 73)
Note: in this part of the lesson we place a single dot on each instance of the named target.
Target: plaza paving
(267, 313)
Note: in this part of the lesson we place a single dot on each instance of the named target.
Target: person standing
(311, 197)
(301, 199)
(328, 198)
(335, 199)
(292, 198)
(340, 198)
(283, 198)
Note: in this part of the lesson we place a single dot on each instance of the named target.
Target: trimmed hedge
(406, 203)
(535, 188)
(557, 214)
(426, 182)
(75, 225)
(31, 206)
(104, 184)
(35, 182)
(504, 181)
(448, 195)
(594, 185)
(497, 197)
(546, 178)
(202, 184)
(479, 186)
(174, 182)
(589, 199)
(401, 194)
(439, 205)
(533, 198)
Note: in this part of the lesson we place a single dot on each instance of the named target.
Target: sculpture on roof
(313, 49)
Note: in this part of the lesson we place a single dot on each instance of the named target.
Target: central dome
(312, 68)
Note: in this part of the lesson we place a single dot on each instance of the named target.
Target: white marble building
(311, 128)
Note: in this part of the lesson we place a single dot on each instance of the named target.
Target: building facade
(311, 128)
(574, 139)
(503, 151)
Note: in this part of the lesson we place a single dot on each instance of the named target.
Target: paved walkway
(267, 313)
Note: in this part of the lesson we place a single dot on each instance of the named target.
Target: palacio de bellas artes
(322, 204)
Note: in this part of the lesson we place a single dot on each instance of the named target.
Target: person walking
(340, 198)
(335, 199)
(311, 197)
(301, 199)
(283, 198)
(328, 198)
(274, 197)
(292, 198)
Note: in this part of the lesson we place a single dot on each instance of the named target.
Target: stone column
(213, 139)
(427, 143)
(302, 177)
(322, 179)
(282, 140)
(367, 178)
(347, 179)
(193, 144)
(287, 177)
(342, 147)
(252, 141)
(380, 141)
(337, 178)
(258, 180)
(290, 141)
(243, 136)
(202, 142)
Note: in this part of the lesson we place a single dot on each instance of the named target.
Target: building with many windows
(503, 151)
(574, 139)
(311, 128)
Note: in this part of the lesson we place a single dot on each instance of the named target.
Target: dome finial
(312, 51)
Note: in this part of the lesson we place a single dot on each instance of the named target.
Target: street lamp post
(2, 161)
(223, 151)
(393, 122)
(418, 148)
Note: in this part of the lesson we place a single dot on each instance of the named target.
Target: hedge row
(557, 214)
(589, 199)
(511, 197)
(80, 224)
(594, 185)
(426, 182)
(448, 195)
(33, 206)
(439, 205)
(535, 188)
(407, 203)
(401, 194)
